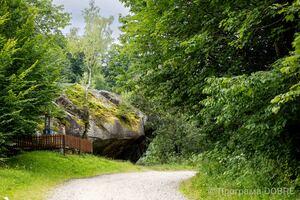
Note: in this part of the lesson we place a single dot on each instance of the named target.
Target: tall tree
(91, 46)
(95, 41)
(31, 57)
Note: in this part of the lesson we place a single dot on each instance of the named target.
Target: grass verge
(205, 187)
(30, 176)
(170, 167)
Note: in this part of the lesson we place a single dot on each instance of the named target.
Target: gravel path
(151, 185)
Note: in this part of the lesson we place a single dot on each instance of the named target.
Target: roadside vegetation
(211, 187)
(219, 81)
(215, 181)
(33, 175)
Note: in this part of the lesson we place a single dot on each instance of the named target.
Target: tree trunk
(86, 108)
(86, 122)
(277, 50)
(89, 82)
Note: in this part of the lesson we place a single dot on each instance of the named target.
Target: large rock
(116, 128)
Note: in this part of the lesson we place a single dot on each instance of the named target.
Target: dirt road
(151, 185)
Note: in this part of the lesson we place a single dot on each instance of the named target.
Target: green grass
(171, 167)
(206, 187)
(30, 176)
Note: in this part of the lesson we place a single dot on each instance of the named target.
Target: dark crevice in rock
(123, 149)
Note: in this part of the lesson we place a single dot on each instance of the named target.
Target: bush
(251, 123)
(176, 138)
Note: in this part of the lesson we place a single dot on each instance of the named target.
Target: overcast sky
(108, 8)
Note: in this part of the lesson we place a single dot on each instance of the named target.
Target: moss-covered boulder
(116, 127)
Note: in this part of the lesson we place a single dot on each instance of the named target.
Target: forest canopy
(224, 78)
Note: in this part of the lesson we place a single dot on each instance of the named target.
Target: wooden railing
(51, 142)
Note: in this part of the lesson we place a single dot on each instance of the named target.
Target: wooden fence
(52, 142)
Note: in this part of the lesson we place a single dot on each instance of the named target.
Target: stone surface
(113, 136)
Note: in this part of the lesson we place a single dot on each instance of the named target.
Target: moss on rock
(103, 112)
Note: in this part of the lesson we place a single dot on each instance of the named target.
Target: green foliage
(75, 69)
(99, 81)
(233, 68)
(50, 18)
(253, 143)
(74, 72)
(95, 41)
(173, 46)
(115, 70)
(175, 138)
(210, 186)
(31, 57)
(290, 68)
(86, 52)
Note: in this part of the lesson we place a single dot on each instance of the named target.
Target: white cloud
(108, 8)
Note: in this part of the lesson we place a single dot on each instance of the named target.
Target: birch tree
(95, 41)
(94, 44)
